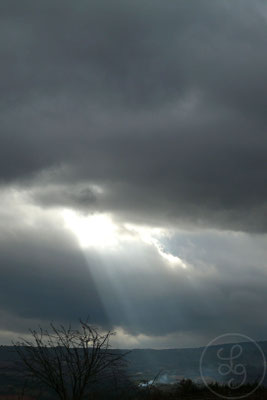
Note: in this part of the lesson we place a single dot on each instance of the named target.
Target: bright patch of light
(99, 231)
(150, 236)
(171, 258)
(96, 230)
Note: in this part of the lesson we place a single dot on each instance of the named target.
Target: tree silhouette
(70, 360)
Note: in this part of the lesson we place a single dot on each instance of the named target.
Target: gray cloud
(163, 102)
(153, 112)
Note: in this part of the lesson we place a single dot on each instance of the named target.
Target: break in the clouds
(133, 167)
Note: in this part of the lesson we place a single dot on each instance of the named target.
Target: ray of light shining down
(99, 233)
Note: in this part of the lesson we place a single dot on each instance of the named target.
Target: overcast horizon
(133, 168)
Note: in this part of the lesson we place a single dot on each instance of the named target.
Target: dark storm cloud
(162, 102)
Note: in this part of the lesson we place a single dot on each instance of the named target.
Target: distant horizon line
(171, 348)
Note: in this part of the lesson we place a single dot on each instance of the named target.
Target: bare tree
(69, 360)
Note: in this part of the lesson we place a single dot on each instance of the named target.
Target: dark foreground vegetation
(185, 390)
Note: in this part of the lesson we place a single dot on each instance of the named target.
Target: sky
(133, 168)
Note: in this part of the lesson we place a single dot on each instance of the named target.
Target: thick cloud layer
(154, 113)
(163, 102)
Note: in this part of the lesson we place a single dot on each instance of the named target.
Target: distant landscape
(152, 373)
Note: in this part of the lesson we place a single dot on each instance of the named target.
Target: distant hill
(178, 363)
(172, 364)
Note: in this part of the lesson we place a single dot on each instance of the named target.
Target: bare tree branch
(69, 360)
